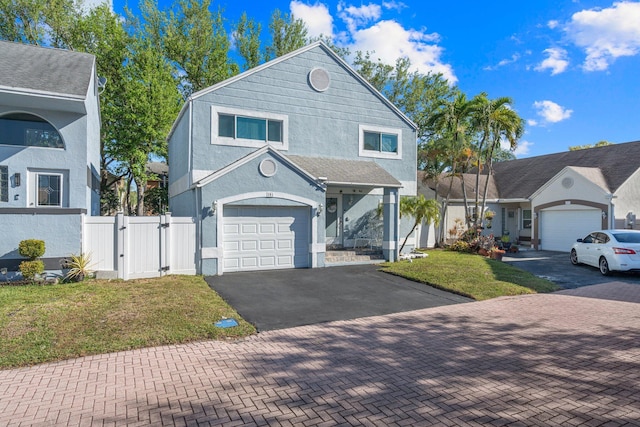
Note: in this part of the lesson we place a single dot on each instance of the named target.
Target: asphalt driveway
(557, 267)
(281, 299)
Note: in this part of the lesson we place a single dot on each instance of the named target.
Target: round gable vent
(319, 79)
(268, 168)
(567, 182)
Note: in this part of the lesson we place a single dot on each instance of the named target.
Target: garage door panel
(262, 238)
(559, 229)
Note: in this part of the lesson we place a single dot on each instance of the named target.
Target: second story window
(248, 129)
(27, 130)
(232, 126)
(380, 142)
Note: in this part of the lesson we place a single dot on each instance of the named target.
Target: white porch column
(391, 224)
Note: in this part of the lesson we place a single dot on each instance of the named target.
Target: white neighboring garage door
(559, 230)
(265, 238)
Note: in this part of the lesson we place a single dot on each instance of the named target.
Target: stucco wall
(324, 124)
(627, 201)
(581, 189)
(179, 156)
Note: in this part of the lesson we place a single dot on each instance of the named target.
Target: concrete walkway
(547, 360)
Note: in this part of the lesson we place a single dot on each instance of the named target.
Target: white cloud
(553, 24)
(606, 34)
(386, 40)
(88, 5)
(551, 112)
(556, 61)
(514, 58)
(532, 122)
(317, 17)
(394, 5)
(523, 148)
(357, 17)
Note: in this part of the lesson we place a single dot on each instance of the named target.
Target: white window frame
(33, 175)
(241, 142)
(379, 154)
(530, 219)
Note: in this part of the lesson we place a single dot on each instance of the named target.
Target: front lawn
(469, 275)
(54, 322)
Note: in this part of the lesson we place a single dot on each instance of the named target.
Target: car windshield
(627, 237)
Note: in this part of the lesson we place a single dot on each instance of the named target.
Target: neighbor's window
(27, 130)
(49, 189)
(4, 183)
(258, 129)
(526, 218)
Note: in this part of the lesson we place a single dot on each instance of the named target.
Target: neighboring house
(549, 201)
(49, 149)
(159, 173)
(287, 159)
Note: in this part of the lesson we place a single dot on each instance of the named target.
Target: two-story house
(49, 149)
(289, 158)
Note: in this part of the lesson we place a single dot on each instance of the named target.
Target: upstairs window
(248, 129)
(380, 142)
(27, 130)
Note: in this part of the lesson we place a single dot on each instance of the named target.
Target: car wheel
(574, 257)
(604, 267)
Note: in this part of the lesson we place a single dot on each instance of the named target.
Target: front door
(334, 220)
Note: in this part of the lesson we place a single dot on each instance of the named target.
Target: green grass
(469, 275)
(48, 323)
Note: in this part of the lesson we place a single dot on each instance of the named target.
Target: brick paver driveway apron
(549, 360)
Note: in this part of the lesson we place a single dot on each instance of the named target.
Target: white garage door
(559, 230)
(265, 238)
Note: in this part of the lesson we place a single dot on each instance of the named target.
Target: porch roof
(346, 172)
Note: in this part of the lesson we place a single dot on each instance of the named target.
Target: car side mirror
(579, 240)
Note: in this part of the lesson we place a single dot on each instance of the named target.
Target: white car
(609, 250)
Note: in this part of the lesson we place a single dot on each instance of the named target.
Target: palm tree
(420, 209)
(487, 115)
(451, 123)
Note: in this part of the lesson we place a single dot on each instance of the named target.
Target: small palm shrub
(79, 267)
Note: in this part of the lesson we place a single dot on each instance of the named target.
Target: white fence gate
(138, 247)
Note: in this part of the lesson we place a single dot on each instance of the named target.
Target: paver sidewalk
(549, 360)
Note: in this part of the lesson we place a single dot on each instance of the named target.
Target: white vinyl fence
(137, 247)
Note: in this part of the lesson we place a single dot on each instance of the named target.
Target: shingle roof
(34, 68)
(521, 178)
(456, 188)
(339, 171)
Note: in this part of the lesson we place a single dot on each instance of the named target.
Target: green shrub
(29, 269)
(31, 248)
(460, 246)
(79, 267)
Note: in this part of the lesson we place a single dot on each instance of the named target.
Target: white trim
(379, 154)
(390, 198)
(241, 142)
(389, 245)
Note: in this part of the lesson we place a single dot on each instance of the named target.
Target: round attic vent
(319, 79)
(268, 168)
(567, 182)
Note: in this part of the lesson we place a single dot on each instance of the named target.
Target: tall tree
(50, 23)
(195, 40)
(246, 38)
(287, 34)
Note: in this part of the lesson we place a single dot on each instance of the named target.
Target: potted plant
(496, 253)
(506, 242)
(488, 216)
(79, 267)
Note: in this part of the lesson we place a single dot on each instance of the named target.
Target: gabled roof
(523, 177)
(251, 156)
(45, 71)
(285, 57)
(346, 172)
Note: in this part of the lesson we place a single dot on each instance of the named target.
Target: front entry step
(356, 256)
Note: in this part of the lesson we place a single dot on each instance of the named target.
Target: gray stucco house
(49, 149)
(288, 159)
(547, 202)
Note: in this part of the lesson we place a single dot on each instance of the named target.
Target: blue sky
(571, 66)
